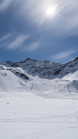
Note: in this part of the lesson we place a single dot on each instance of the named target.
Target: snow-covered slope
(45, 69)
(29, 108)
(25, 76)
(27, 116)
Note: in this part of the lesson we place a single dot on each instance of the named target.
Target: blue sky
(27, 31)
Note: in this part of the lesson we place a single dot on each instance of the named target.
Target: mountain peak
(29, 59)
(45, 69)
(76, 59)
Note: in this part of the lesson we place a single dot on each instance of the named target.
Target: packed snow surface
(27, 116)
(38, 108)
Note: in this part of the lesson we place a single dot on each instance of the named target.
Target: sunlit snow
(37, 108)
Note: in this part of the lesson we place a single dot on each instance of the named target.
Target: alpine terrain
(39, 100)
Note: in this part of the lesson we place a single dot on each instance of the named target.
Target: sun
(51, 11)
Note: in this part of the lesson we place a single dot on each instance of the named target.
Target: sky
(38, 29)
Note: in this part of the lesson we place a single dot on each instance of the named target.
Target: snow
(38, 108)
(74, 76)
(28, 116)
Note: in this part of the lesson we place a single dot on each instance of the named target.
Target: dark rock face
(19, 74)
(76, 59)
(57, 72)
(44, 69)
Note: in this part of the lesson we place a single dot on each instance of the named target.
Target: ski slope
(13, 83)
(38, 108)
(27, 116)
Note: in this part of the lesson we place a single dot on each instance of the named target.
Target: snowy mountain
(39, 100)
(40, 77)
(44, 69)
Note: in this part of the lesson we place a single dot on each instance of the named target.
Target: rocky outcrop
(44, 69)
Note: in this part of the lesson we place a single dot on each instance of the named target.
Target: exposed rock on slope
(45, 69)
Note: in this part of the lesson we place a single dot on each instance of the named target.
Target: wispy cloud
(63, 56)
(32, 47)
(17, 42)
(6, 37)
(4, 4)
(5, 40)
(11, 41)
(65, 22)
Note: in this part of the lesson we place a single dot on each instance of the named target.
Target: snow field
(38, 108)
(32, 117)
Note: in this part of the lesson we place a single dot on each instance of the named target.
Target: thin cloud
(32, 47)
(63, 55)
(5, 40)
(65, 22)
(6, 37)
(11, 41)
(4, 4)
(33, 11)
(17, 42)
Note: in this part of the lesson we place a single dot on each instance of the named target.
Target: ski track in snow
(33, 117)
(38, 108)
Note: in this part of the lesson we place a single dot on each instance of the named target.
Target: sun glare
(51, 11)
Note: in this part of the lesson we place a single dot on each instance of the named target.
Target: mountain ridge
(45, 69)
(40, 77)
